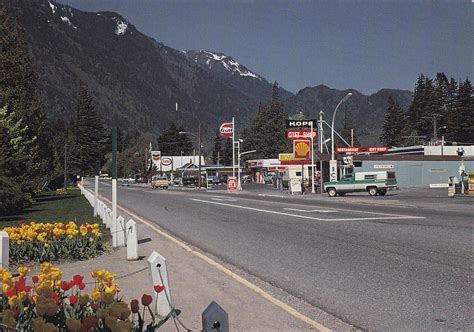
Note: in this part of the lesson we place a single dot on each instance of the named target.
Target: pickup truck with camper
(372, 182)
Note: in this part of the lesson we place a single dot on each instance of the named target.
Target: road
(375, 264)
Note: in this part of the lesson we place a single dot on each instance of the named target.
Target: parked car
(214, 179)
(159, 181)
(125, 182)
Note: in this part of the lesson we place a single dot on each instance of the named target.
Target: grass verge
(49, 207)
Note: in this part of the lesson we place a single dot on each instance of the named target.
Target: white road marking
(384, 217)
(271, 195)
(224, 199)
(314, 210)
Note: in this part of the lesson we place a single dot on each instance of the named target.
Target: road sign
(226, 129)
(156, 155)
(333, 170)
(292, 124)
(166, 161)
(300, 134)
(346, 149)
(231, 183)
(301, 149)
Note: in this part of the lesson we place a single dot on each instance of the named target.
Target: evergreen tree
(217, 151)
(393, 124)
(451, 109)
(440, 99)
(346, 130)
(88, 134)
(266, 131)
(18, 91)
(171, 142)
(463, 120)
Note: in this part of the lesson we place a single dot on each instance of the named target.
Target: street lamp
(199, 149)
(333, 171)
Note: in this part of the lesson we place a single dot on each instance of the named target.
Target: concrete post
(96, 194)
(4, 250)
(132, 240)
(159, 276)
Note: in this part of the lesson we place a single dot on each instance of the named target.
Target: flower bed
(49, 242)
(52, 304)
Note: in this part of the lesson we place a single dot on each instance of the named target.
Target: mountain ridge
(136, 80)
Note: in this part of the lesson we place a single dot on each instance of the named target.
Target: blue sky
(360, 44)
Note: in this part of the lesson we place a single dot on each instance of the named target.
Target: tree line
(449, 103)
(37, 153)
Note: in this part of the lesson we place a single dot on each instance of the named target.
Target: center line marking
(314, 210)
(384, 217)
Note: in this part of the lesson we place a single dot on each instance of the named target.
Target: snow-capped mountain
(233, 73)
(220, 62)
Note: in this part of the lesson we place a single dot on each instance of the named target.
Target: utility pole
(321, 113)
(312, 160)
(233, 147)
(333, 162)
(199, 149)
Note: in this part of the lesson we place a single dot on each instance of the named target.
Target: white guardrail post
(159, 276)
(132, 240)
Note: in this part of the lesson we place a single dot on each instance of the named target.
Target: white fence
(123, 233)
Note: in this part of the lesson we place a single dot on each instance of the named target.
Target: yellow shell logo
(301, 149)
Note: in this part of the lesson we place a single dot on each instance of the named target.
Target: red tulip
(65, 286)
(35, 279)
(20, 284)
(81, 286)
(55, 296)
(77, 279)
(27, 289)
(134, 305)
(146, 300)
(94, 306)
(159, 288)
(11, 292)
(72, 299)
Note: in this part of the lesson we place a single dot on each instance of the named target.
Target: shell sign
(301, 149)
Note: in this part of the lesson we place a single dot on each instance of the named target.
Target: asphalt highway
(374, 265)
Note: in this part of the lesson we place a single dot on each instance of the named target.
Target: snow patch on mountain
(53, 7)
(121, 28)
(229, 64)
(66, 19)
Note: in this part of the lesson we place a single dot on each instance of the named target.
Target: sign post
(227, 130)
(312, 160)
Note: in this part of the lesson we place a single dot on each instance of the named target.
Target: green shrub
(11, 197)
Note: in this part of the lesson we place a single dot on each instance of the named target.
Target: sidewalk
(194, 283)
